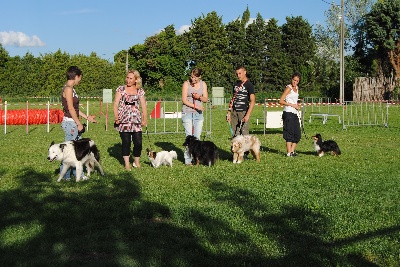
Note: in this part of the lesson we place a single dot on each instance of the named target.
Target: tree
(383, 30)
(236, 33)
(278, 66)
(4, 56)
(256, 53)
(299, 45)
(162, 61)
(209, 47)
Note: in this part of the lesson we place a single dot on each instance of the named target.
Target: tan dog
(243, 143)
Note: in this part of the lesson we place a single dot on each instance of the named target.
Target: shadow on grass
(303, 235)
(115, 152)
(107, 222)
(170, 146)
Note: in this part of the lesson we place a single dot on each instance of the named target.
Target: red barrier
(156, 112)
(35, 116)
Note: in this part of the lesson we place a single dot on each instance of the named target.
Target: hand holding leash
(81, 132)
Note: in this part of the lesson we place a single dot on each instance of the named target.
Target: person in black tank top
(70, 102)
(242, 103)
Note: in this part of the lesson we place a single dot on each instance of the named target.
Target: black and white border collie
(76, 154)
(322, 147)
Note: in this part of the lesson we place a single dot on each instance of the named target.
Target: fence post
(27, 117)
(5, 117)
(48, 116)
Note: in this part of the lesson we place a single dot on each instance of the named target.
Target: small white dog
(161, 158)
(76, 154)
(244, 143)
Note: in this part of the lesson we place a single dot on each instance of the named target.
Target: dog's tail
(337, 151)
(215, 156)
(95, 152)
(173, 154)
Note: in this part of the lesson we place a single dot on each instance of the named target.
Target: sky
(105, 27)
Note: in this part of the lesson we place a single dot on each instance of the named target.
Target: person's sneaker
(293, 154)
(289, 154)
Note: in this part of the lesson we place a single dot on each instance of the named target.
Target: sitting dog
(76, 154)
(325, 146)
(202, 152)
(161, 158)
(243, 143)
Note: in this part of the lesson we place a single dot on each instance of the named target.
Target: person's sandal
(134, 165)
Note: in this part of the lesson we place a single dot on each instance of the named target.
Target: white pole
(5, 117)
(48, 116)
(341, 94)
(87, 114)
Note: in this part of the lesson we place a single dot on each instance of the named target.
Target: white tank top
(291, 98)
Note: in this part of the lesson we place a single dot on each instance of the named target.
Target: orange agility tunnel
(35, 116)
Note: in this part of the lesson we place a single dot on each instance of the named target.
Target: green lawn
(303, 211)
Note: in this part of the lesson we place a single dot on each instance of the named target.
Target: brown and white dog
(161, 158)
(243, 143)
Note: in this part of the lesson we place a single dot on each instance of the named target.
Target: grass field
(303, 211)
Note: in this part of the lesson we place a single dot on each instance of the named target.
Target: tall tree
(256, 53)
(383, 29)
(299, 44)
(209, 44)
(278, 65)
(236, 33)
(162, 60)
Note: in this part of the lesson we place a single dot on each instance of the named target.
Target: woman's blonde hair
(137, 77)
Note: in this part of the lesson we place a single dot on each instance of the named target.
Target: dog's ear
(62, 147)
(52, 143)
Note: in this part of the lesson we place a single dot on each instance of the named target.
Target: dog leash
(240, 129)
(230, 128)
(301, 119)
(81, 132)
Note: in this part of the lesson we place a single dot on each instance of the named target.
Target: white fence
(365, 113)
(167, 120)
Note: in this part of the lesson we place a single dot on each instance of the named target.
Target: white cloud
(183, 29)
(19, 39)
(251, 20)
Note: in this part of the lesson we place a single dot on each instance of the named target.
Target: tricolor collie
(76, 154)
(322, 147)
(202, 152)
(243, 143)
(161, 158)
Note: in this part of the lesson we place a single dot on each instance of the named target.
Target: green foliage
(209, 43)
(256, 53)
(277, 62)
(298, 41)
(382, 26)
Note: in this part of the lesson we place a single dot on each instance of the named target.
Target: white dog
(161, 158)
(244, 143)
(76, 154)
